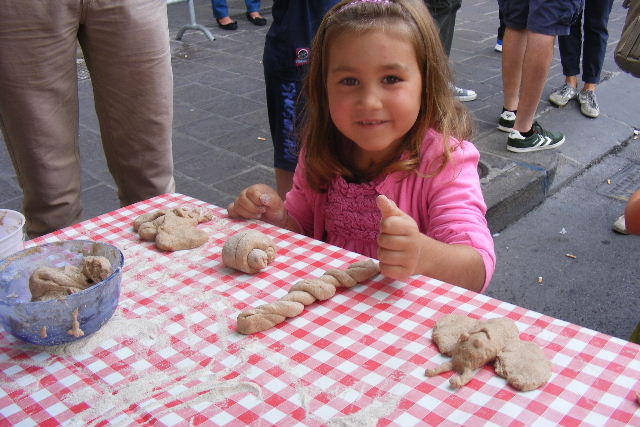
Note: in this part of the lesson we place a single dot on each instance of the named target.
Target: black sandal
(233, 25)
(259, 20)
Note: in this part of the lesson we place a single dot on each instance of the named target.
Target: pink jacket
(448, 207)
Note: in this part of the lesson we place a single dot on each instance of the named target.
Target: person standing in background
(126, 48)
(532, 27)
(221, 13)
(588, 38)
(500, 37)
(287, 51)
(444, 13)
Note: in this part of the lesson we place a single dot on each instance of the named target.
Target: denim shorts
(550, 17)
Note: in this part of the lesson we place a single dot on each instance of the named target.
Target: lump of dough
(177, 233)
(448, 330)
(174, 229)
(47, 283)
(473, 343)
(523, 365)
(96, 268)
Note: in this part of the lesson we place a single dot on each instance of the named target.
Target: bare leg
(572, 81)
(284, 182)
(513, 47)
(537, 58)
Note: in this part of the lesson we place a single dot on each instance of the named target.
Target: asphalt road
(600, 287)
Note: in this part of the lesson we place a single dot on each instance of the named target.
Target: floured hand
(259, 201)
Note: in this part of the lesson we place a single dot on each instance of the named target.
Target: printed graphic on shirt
(289, 94)
(303, 55)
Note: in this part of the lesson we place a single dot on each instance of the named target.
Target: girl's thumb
(388, 207)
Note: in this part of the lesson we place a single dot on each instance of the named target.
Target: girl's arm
(403, 251)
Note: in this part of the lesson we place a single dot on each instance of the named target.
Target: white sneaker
(563, 94)
(588, 103)
(506, 121)
(464, 95)
(620, 226)
(498, 46)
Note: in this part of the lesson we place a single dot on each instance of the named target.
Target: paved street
(222, 144)
(600, 287)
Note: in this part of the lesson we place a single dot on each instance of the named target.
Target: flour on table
(195, 387)
(145, 332)
(368, 416)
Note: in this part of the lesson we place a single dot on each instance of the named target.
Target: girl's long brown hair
(328, 153)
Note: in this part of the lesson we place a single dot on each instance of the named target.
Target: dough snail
(249, 251)
(472, 344)
(303, 293)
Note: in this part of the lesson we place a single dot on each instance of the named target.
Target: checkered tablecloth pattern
(170, 356)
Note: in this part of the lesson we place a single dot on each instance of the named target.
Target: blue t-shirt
(287, 47)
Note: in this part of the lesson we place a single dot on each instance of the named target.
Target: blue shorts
(284, 107)
(550, 17)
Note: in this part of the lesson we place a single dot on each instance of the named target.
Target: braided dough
(174, 229)
(248, 251)
(303, 293)
(472, 343)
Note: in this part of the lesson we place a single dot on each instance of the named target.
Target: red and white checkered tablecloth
(170, 356)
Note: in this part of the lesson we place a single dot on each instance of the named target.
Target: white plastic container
(11, 232)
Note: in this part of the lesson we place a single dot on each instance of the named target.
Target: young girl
(384, 168)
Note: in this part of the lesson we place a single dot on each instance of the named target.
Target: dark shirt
(288, 43)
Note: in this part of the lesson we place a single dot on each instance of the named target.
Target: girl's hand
(259, 201)
(399, 242)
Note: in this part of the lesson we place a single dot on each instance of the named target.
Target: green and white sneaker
(541, 139)
(506, 121)
(563, 94)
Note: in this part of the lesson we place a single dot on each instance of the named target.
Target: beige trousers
(126, 47)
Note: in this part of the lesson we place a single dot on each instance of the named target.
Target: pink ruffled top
(352, 218)
(448, 207)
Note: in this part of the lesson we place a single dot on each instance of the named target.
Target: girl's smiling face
(374, 89)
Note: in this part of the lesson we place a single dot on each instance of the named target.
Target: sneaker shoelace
(565, 90)
(590, 97)
(540, 130)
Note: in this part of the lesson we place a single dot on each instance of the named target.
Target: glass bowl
(51, 322)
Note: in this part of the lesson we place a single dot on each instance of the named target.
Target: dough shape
(303, 293)
(174, 229)
(473, 343)
(523, 364)
(47, 283)
(249, 251)
(96, 268)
